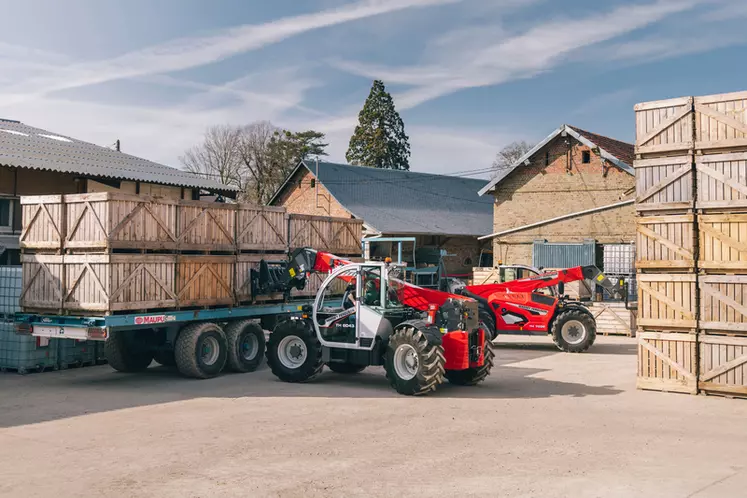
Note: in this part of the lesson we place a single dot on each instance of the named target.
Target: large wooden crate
(721, 121)
(667, 362)
(723, 242)
(261, 228)
(43, 219)
(666, 301)
(112, 220)
(485, 275)
(206, 226)
(205, 280)
(102, 283)
(664, 184)
(612, 318)
(664, 126)
(723, 365)
(722, 182)
(665, 242)
(723, 303)
(42, 282)
(341, 236)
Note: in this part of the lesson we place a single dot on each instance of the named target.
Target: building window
(10, 211)
(586, 157)
(547, 158)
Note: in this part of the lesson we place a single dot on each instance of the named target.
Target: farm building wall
(555, 183)
(304, 196)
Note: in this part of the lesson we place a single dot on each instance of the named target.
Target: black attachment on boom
(617, 287)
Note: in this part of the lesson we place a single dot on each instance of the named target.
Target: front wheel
(412, 364)
(294, 353)
(574, 331)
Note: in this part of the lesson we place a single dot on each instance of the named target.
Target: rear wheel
(346, 368)
(201, 350)
(487, 321)
(412, 364)
(574, 331)
(165, 357)
(129, 351)
(294, 353)
(473, 376)
(246, 346)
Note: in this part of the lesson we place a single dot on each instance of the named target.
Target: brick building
(38, 162)
(442, 212)
(572, 188)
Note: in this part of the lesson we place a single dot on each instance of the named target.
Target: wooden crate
(665, 242)
(722, 182)
(261, 228)
(666, 301)
(341, 236)
(723, 365)
(43, 222)
(205, 280)
(664, 184)
(98, 282)
(721, 121)
(723, 303)
(42, 282)
(112, 220)
(612, 318)
(667, 362)
(723, 242)
(245, 263)
(486, 275)
(664, 126)
(206, 226)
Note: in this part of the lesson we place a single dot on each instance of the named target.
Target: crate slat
(261, 228)
(666, 301)
(206, 226)
(721, 121)
(723, 365)
(665, 242)
(667, 362)
(43, 222)
(664, 184)
(664, 126)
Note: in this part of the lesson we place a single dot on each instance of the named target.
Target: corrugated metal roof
(24, 146)
(405, 202)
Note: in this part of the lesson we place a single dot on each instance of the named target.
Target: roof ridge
(581, 130)
(373, 168)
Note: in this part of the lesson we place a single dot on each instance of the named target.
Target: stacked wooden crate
(113, 252)
(700, 236)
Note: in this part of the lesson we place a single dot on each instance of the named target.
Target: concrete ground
(544, 424)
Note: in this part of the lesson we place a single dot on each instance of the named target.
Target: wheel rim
(292, 352)
(573, 332)
(210, 351)
(406, 362)
(249, 347)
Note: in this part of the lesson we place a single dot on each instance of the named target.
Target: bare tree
(218, 157)
(509, 155)
(257, 164)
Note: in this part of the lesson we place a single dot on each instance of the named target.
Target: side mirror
(561, 288)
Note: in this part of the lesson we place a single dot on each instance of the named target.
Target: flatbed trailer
(199, 342)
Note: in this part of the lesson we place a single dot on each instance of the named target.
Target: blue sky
(468, 76)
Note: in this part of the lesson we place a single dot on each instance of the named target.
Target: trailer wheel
(574, 331)
(165, 357)
(346, 368)
(246, 346)
(412, 364)
(473, 376)
(201, 350)
(294, 353)
(129, 351)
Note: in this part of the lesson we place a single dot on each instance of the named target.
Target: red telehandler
(517, 306)
(363, 315)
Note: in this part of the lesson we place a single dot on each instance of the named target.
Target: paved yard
(544, 424)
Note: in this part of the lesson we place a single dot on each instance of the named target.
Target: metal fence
(563, 255)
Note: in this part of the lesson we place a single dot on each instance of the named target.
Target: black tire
(281, 351)
(129, 351)
(346, 368)
(487, 321)
(584, 325)
(430, 365)
(246, 346)
(473, 376)
(165, 357)
(201, 350)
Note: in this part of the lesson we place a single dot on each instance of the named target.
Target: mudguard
(431, 332)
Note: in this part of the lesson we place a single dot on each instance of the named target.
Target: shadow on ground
(56, 395)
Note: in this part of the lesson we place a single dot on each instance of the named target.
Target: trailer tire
(420, 376)
(201, 350)
(129, 352)
(246, 346)
(165, 357)
(294, 352)
(346, 368)
(574, 331)
(473, 376)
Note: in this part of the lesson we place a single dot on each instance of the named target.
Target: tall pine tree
(379, 139)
